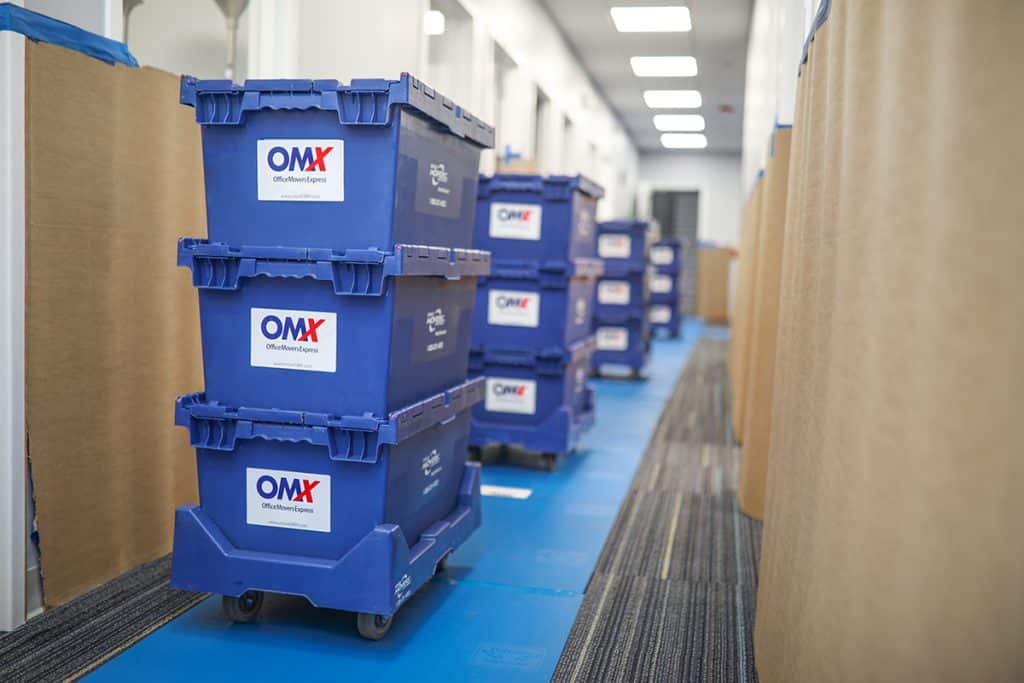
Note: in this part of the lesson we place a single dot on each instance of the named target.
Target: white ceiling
(718, 40)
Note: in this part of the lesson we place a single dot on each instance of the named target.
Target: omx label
(515, 221)
(511, 395)
(293, 340)
(300, 170)
(513, 308)
(282, 498)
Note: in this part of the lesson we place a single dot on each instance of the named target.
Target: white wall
(186, 37)
(715, 176)
(598, 146)
(777, 33)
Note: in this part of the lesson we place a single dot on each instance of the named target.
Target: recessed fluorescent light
(433, 22)
(672, 99)
(663, 66)
(651, 19)
(683, 141)
(684, 123)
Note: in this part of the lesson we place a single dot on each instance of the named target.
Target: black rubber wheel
(476, 454)
(442, 564)
(373, 626)
(550, 461)
(674, 334)
(245, 608)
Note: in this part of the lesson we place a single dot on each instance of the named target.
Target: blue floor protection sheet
(502, 611)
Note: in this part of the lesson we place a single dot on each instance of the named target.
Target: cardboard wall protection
(739, 341)
(114, 177)
(713, 284)
(763, 327)
(895, 506)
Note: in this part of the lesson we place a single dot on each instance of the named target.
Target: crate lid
(363, 102)
(558, 269)
(216, 426)
(216, 265)
(552, 187)
(556, 358)
(634, 227)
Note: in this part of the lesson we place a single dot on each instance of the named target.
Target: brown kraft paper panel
(114, 177)
(893, 521)
(713, 284)
(764, 317)
(739, 343)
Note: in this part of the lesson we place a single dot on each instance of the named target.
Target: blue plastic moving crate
(353, 513)
(332, 332)
(539, 401)
(622, 340)
(623, 241)
(663, 314)
(622, 288)
(664, 285)
(537, 218)
(665, 256)
(318, 164)
(524, 307)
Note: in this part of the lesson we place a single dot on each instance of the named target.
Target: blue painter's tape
(823, 11)
(44, 29)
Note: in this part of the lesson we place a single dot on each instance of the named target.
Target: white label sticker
(662, 256)
(584, 222)
(511, 395)
(614, 246)
(295, 500)
(612, 338)
(659, 314)
(581, 310)
(513, 492)
(300, 170)
(614, 292)
(293, 340)
(513, 308)
(661, 284)
(515, 221)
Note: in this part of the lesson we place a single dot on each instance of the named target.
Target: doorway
(676, 212)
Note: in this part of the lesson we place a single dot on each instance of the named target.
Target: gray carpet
(672, 597)
(70, 640)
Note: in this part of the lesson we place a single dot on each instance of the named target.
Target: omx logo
(514, 214)
(500, 389)
(512, 302)
(288, 327)
(306, 159)
(285, 488)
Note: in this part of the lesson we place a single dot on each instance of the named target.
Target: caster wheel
(442, 564)
(245, 608)
(550, 461)
(673, 335)
(373, 626)
(476, 454)
(503, 451)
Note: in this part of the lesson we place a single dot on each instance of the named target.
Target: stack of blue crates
(336, 295)
(533, 330)
(620, 315)
(664, 313)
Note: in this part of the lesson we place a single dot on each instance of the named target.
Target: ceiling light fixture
(651, 19)
(672, 99)
(433, 22)
(646, 67)
(683, 141)
(680, 123)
